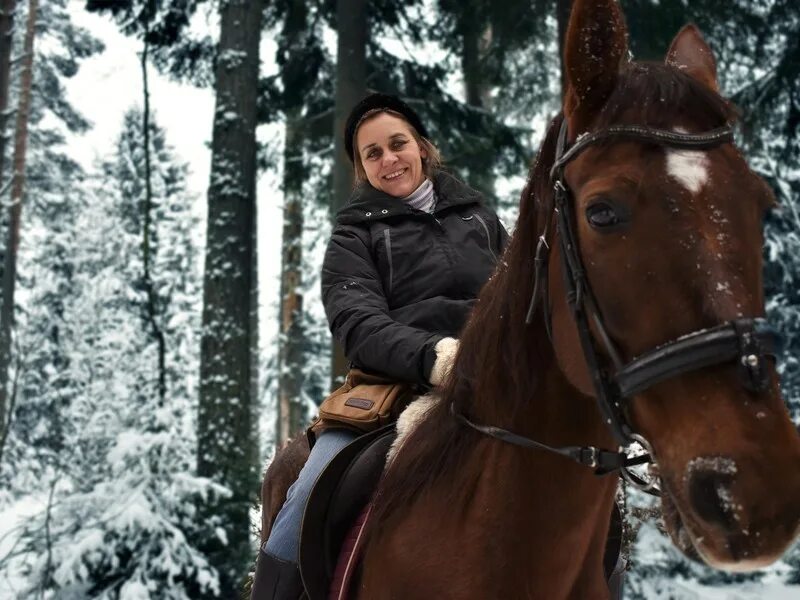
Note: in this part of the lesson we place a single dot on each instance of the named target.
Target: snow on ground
(653, 551)
(677, 590)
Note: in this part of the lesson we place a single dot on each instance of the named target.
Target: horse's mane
(492, 341)
(656, 95)
(495, 341)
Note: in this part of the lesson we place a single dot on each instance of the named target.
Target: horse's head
(670, 239)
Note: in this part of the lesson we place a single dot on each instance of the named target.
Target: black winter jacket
(396, 280)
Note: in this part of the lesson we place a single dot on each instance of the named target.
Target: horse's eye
(602, 214)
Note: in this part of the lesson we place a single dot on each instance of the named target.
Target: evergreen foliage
(303, 86)
(166, 27)
(300, 90)
(52, 180)
(506, 53)
(227, 449)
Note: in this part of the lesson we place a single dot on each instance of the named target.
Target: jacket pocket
(488, 236)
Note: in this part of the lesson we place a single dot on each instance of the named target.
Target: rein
(745, 342)
(601, 461)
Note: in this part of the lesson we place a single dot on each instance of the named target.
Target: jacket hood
(368, 204)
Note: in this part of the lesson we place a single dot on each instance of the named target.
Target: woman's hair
(430, 164)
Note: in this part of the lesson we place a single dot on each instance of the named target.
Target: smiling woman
(392, 156)
(405, 263)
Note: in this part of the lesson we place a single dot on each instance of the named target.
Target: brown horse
(655, 226)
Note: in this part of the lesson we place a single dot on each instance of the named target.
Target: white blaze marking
(689, 167)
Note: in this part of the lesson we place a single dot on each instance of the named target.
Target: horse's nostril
(711, 497)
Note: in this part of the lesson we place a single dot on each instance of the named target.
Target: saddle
(340, 494)
(339, 503)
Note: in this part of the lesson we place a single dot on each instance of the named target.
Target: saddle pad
(340, 493)
(348, 557)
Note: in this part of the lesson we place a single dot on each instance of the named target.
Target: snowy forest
(153, 354)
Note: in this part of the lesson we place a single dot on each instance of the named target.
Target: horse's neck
(549, 514)
(538, 401)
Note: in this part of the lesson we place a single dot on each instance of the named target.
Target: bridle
(747, 342)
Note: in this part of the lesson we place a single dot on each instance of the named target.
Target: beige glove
(446, 350)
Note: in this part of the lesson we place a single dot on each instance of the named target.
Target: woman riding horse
(629, 305)
(405, 262)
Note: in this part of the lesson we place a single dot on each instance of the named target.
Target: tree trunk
(563, 8)
(255, 348)
(476, 39)
(475, 46)
(351, 86)
(7, 8)
(227, 434)
(291, 417)
(15, 210)
(148, 247)
(291, 408)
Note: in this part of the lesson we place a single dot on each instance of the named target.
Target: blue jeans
(284, 539)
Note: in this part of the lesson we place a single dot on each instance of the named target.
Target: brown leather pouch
(365, 402)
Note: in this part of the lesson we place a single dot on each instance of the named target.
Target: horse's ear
(690, 53)
(595, 46)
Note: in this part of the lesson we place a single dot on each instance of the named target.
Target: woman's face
(390, 155)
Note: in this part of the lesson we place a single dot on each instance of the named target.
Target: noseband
(745, 342)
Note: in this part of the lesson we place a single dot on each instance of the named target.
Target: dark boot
(616, 580)
(276, 579)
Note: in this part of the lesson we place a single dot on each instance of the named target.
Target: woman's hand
(446, 350)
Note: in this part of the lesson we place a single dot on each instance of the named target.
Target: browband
(662, 137)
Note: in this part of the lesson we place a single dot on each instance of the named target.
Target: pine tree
(494, 44)
(7, 9)
(301, 59)
(351, 86)
(227, 441)
(36, 433)
(165, 25)
(9, 280)
(120, 515)
(772, 102)
(770, 99)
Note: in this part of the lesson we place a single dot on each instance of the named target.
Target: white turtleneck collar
(422, 198)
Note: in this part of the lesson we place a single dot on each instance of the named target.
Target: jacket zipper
(444, 243)
(387, 240)
(488, 237)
